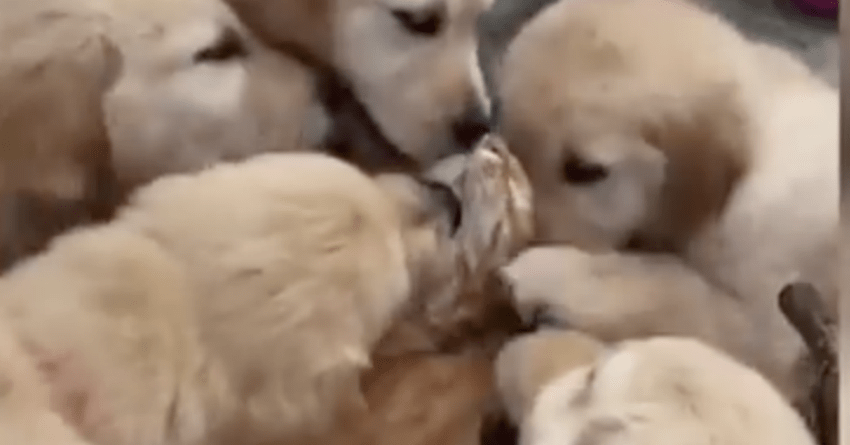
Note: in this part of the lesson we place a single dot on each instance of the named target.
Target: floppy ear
(707, 147)
(55, 165)
(302, 27)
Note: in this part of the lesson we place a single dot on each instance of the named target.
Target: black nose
(472, 125)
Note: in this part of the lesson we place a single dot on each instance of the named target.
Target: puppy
(682, 137)
(412, 63)
(662, 390)
(106, 95)
(238, 304)
(530, 362)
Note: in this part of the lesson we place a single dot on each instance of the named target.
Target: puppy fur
(238, 304)
(530, 362)
(25, 413)
(682, 136)
(615, 296)
(412, 63)
(194, 86)
(55, 166)
(661, 391)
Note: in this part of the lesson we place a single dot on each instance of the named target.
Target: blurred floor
(814, 39)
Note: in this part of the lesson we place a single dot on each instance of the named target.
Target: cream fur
(167, 112)
(237, 304)
(715, 147)
(615, 297)
(414, 86)
(662, 391)
(234, 305)
(25, 414)
(55, 162)
(530, 362)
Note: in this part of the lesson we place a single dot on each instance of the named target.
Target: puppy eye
(426, 22)
(228, 46)
(579, 172)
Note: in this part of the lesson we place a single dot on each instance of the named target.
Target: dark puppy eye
(579, 172)
(228, 46)
(427, 22)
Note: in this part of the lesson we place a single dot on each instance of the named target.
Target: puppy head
(657, 391)
(414, 65)
(529, 362)
(197, 88)
(622, 139)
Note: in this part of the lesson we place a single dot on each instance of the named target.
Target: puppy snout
(470, 127)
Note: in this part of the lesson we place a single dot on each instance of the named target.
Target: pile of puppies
(285, 222)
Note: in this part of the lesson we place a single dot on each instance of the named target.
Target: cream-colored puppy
(532, 361)
(101, 96)
(193, 87)
(661, 391)
(682, 136)
(413, 63)
(237, 304)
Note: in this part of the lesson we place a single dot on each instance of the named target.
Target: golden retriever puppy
(194, 86)
(662, 390)
(238, 304)
(682, 136)
(412, 63)
(529, 362)
(235, 305)
(102, 96)
(25, 413)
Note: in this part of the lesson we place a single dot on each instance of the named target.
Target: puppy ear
(302, 27)
(56, 160)
(707, 148)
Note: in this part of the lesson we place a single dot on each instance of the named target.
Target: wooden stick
(802, 306)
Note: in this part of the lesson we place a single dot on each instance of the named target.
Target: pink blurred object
(820, 7)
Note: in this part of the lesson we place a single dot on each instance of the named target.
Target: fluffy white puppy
(681, 136)
(412, 63)
(663, 390)
(236, 304)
